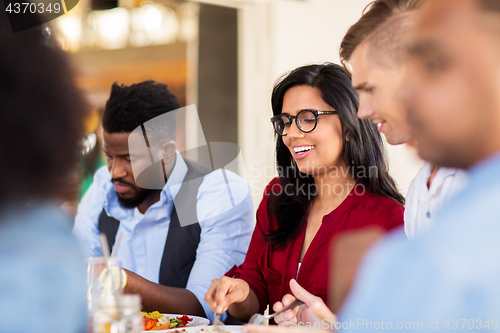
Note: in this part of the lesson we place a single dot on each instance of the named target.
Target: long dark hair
(363, 151)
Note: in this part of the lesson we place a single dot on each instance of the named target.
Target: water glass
(104, 277)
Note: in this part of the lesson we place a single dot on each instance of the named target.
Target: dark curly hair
(365, 150)
(129, 107)
(41, 118)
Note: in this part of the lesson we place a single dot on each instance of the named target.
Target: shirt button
(428, 215)
(141, 270)
(137, 231)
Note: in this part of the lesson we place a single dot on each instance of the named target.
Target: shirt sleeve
(225, 212)
(86, 228)
(392, 216)
(385, 212)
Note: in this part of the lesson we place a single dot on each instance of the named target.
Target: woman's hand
(314, 309)
(226, 291)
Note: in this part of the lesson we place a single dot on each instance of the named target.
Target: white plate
(195, 323)
(229, 328)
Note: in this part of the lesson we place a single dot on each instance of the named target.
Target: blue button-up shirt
(445, 279)
(226, 226)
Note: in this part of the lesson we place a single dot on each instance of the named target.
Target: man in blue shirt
(42, 269)
(448, 278)
(181, 224)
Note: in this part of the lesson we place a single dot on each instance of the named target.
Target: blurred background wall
(221, 55)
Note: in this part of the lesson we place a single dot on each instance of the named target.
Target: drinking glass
(104, 277)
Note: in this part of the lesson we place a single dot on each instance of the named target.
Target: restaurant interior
(223, 56)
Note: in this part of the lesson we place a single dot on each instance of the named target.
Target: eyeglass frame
(316, 113)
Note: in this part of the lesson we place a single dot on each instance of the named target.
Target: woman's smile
(301, 151)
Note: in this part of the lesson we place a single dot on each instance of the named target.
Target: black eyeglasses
(306, 121)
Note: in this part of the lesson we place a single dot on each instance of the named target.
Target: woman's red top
(268, 272)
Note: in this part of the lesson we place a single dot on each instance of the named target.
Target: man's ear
(168, 150)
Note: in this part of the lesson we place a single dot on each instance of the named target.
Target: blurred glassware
(119, 314)
(102, 283)
(89, 142)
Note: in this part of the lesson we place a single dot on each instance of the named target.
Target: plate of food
(206, 329)
(161, 322)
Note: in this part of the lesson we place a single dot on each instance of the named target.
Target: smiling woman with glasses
(332, 177)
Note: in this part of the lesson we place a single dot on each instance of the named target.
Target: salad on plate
(153, 321)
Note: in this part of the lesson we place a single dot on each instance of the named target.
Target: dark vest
(181, 243)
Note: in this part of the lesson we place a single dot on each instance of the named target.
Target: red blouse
(268, 272)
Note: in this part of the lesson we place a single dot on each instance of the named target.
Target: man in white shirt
(426, 196)
(374, 50)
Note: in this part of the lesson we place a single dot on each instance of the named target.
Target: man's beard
(136, 200)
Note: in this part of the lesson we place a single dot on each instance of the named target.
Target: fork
(218, 324)
(258, 319)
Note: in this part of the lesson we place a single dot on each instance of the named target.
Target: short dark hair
(42, 115)
(129, 107)
(364, 150)
(385, 23)
(491, 5)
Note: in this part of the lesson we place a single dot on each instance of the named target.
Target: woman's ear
(347, 137)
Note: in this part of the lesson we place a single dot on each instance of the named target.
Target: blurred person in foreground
(170, 263)
(452, 92)
(42, 274)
